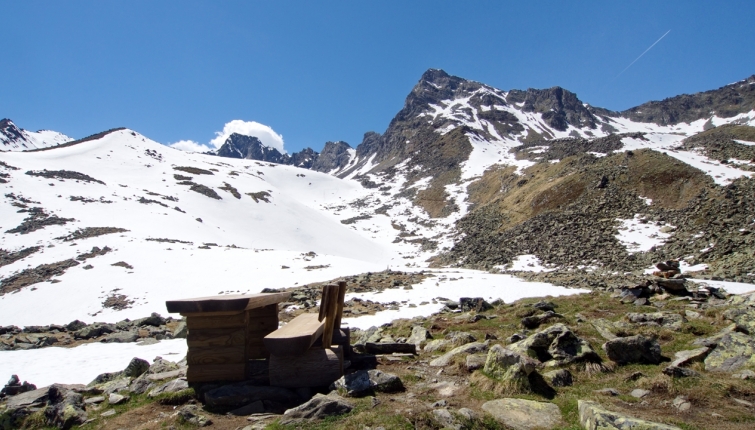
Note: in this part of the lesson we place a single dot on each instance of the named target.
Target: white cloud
(189, 146)
(264, 133)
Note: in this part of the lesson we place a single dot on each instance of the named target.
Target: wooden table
(226, 332)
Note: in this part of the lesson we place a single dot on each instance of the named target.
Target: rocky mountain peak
(9, 132)
(559, 107)
(250, 147)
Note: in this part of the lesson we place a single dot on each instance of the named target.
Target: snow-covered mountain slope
(259, 216)
(13, 138)
(122, 219)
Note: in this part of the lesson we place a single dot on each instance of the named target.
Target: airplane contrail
(635, 60)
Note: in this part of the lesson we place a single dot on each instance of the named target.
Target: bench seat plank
(296, 337)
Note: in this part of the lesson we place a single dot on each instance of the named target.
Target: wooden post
(341, 297)
(330, 292)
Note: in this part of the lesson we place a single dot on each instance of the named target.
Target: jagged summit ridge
(13, 138)
(335, 155)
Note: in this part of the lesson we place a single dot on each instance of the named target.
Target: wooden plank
(324, 302)
(214, 337)
(216, 372)
(331, 307)
(341, 297)
(295, 337)
(216, 355)
(228, 321)
(315, 368)
(225, 303)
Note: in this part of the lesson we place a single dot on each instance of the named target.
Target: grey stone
(94, 400)
(685, 358)
(559, 378)
(141, 385)
(191, 415)
(668, 320)
(121, 337)
(745, 374)
(66, 407)
(364, 382)
(28, 398)
(154, 320)
(535, 321)
(108, 413)
(160, 365)
(470, 348)
(510, 367)
(521, 414)
(166, 375)
(419, 336)
(477, 304)
(605, 328)
(639, 393)
(734, 351)
(436, 344)
(136, 367)
(460, 337)
(114, 386)
(475, 362)
(445, 419)
(558, 345)
(592, 416)
(319, 407)
(181, 330)
(173, 386)
(117, 399)
(633, 349)
(607, 392)
(680, 372)
(681, 403)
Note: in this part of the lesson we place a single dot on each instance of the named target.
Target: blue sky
(332, 70)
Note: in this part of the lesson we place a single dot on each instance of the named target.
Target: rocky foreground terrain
(662, 353)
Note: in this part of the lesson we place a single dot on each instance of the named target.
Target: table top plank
(225, 303)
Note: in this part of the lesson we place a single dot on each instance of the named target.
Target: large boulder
(521, 414)
(318, 407)
(559, 378)
(419, 336)
(734, 351)
(364, 382)
(512, 368)
(470, 348)
(592, 416)
(62, 407)
(173, 386)
(743, 317)
(633, 349)
(557, 345)
(136, 367)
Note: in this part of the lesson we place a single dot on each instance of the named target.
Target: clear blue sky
(319, 71)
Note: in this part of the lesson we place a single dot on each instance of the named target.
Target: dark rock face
(725, 102)
(558, 106)
(633, 349)
(334, 156)
(306, 158)
(249, 147)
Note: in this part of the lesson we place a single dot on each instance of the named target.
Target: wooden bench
(226, 334)
(295, 359)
